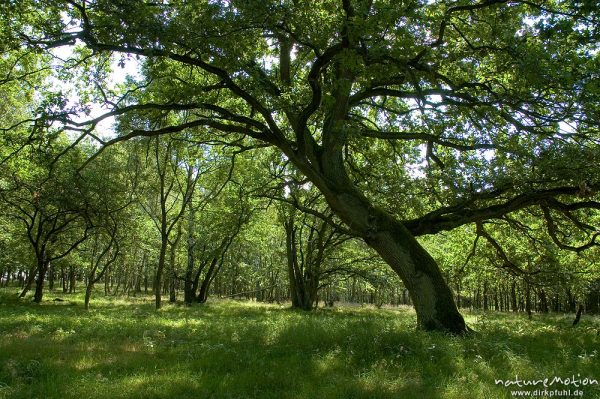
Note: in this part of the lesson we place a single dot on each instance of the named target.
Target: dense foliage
(294, 150)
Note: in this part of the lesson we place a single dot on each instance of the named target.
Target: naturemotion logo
(548, 382)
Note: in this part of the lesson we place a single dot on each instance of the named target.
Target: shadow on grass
(241, 350)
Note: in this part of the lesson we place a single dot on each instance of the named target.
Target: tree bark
(72, 279)
(543, 301)
(51, 277)
(430, 294)
(485, 296)
(513, 297)
(39, 285)
(570, 301)
(159, 272)
(303, 275)
(196, 280)
(578, 315)
(292, 262)
(28, 281)
(64, 281)
(88, 292)
(528, 300)
(172, 274)
(188, 294)
(208, 277)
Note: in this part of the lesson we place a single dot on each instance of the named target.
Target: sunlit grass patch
(231, 349)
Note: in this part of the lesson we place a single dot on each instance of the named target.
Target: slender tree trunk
(172, 267)
(107, 278)
(188, 294)
(513, 297)
(292, 263)
(91, 278)
(72, 279)
(578, 315)
(303, 272)
(570, 301)
(118, 278)
(528, 300)
(196, 279)
(496, 302)
(485, 296)
(63, 278)
(208, 277)
(140, 273)
(188, 291)
(555, 303)
(172, 285)
(51, 277)
(543, 301)
(172, 289)
(88, 292)
(39, 286)
(28, 281)
(159, 272)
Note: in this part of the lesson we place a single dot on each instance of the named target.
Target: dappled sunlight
(86, 363)
(163, 158)
(271, 351)
(156, 383)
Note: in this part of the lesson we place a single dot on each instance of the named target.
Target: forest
(288, 198)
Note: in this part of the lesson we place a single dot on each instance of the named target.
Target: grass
(122, 348)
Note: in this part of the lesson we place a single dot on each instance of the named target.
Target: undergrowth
(123, 348)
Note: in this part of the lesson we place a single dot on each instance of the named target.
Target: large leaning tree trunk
(323, 164)
(432, 298)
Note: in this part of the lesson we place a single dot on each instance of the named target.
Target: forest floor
(123, 348)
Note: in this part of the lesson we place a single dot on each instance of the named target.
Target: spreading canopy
(467, 111)
(410, 117)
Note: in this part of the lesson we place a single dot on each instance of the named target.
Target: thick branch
(427, 137)
(224, 127)
(552, 232)
(449, 218)
(506, 262)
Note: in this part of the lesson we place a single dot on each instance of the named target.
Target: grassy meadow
(123, 348)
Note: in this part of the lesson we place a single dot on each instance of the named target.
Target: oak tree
(410, 117)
